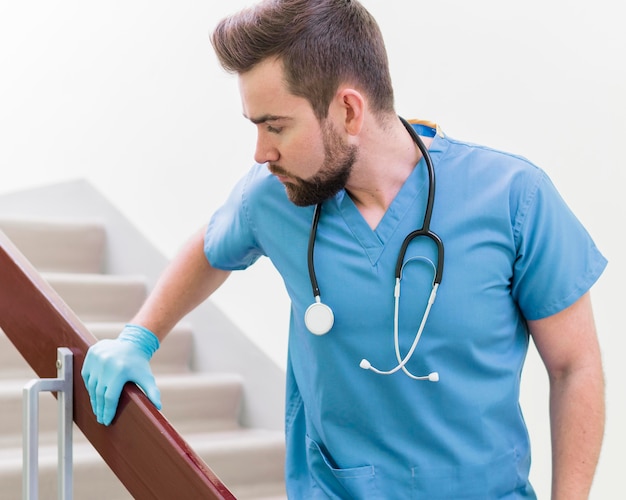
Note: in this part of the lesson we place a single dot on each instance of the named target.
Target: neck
(387, 156)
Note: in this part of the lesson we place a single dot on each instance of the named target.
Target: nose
(265, 151)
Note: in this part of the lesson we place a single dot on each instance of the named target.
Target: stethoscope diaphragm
(319, 318)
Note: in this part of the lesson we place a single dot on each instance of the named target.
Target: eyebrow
(266, 118)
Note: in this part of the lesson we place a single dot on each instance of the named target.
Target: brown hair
(321, 43)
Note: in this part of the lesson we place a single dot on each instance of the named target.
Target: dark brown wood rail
(145, 452)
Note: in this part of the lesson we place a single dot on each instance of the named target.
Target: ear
(349, 110)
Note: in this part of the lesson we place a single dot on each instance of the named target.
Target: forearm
(577, 426)
(187, 281)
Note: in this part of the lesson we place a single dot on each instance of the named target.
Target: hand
(109, 364)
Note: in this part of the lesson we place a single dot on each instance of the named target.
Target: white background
(128, 95)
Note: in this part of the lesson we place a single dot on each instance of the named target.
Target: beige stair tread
(210, 443)
(194, 402)
(252, 460)
(260, 453)
(58, 245)
(213, 399)
(100, 297)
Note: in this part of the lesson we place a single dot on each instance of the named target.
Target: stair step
(250, 463)
(11, 403)
(92, 478)
(206, 401)
(203, 407)
(194, 402)
(100, 297)
(242, 457)
(59, 246)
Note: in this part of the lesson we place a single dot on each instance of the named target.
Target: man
(314, 79)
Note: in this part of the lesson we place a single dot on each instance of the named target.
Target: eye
(274, 130)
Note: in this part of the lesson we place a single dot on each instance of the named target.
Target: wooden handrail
(145, 452)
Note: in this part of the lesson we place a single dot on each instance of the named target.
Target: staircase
(205, 407)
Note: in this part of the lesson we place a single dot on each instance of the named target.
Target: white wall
(129, 96)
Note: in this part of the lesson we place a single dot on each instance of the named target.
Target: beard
(332, 177)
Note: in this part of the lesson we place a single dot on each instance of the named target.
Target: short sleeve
(557, 261)
(229, 242)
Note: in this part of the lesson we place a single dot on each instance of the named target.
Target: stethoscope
(319, 317)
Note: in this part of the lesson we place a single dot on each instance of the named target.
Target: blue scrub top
(513, 252)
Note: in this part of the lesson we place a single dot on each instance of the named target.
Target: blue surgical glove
(109, 364)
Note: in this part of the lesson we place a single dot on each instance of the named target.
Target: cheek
(307, 151)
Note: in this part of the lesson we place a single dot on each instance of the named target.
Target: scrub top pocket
(340, 484)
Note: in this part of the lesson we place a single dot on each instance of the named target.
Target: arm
(186, 282)
(568, 346)
(109, 364)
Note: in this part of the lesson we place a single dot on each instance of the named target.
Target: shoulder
(477, 169)
(259, 189)
(481, 157)
(258, 184)
(263, 200)
(258, 180)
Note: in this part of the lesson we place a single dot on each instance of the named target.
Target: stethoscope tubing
(430, 203)
(423, 231)
(322, 315)
(311, 250)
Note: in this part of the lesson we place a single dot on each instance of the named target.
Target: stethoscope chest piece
(319, 318)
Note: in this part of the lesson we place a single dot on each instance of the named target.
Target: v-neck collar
(411, 196)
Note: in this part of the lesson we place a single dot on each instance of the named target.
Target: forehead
(264, 92)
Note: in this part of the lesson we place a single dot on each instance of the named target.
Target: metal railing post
(63, 386)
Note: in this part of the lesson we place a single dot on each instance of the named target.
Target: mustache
(278, 170)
